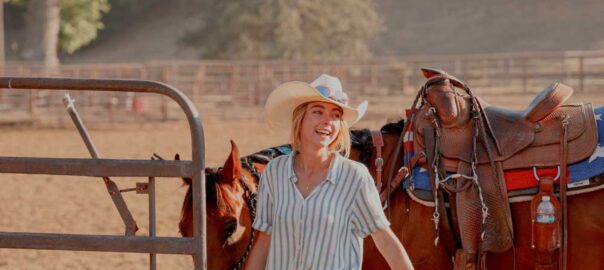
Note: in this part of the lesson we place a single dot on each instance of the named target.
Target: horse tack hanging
(473, 217)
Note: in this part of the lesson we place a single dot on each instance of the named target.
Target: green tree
(80, 22)
(53, 24)
(287, 29)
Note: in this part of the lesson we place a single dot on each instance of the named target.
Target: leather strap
(449, 242)
(378, 143)
(396, 181)
(563, 185)
(402, 173)
(545, 238)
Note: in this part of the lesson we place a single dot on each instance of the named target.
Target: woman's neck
(313, 160)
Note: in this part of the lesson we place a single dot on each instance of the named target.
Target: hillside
(412, 28)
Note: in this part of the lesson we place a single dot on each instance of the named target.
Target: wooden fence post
(581, 74)
(524, 75)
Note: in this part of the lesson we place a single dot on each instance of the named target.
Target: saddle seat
(545, 103)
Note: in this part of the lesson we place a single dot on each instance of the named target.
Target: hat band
(333, 95)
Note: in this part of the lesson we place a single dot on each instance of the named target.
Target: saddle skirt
(521, 182)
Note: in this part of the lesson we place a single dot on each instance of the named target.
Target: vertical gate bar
(200, 259)
(152, 227)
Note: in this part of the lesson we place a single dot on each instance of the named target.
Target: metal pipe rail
(195, 245)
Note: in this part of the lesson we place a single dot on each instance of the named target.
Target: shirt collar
(332, 175)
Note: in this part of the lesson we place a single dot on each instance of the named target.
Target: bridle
(247, 163)
(251, 204)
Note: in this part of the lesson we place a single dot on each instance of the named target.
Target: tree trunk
(43, 21)
(1, 36)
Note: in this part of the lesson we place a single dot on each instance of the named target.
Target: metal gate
(98, 167)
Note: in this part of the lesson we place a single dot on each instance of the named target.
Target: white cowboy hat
(286, 97)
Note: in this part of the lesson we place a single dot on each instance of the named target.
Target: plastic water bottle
(545, 211)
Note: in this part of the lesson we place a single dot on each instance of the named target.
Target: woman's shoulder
(359, 169)
(353, 164)
(277, 163)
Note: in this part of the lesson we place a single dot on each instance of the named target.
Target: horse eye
(230, 226)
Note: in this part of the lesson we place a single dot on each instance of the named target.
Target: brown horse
(230, 200)
(231, 191)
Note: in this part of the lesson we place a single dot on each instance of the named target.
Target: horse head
(230, 193)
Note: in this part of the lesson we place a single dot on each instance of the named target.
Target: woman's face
(321, 124)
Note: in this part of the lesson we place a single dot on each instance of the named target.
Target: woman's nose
(326, 118)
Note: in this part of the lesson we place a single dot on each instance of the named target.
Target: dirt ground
(53, 204)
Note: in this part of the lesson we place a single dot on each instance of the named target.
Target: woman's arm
(392, 249)
(259, 252)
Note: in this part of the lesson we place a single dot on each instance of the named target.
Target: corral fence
(238, 89)
(105, 168)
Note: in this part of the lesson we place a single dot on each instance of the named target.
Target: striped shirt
(324, 230)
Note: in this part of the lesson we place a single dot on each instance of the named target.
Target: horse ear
(187, 181)
(232, 169)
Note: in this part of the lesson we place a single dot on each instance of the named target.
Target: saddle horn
(433, 72)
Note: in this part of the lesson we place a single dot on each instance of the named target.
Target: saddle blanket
(579, 173)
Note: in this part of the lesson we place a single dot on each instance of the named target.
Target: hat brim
(281, 103)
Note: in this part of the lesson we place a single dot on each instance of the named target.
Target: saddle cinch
(504, 140)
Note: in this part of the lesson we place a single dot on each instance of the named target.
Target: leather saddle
(522, 139)
(471, 132)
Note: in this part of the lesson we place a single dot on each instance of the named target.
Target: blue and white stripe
(325, 230)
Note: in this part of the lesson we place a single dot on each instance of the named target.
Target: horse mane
(361, 139)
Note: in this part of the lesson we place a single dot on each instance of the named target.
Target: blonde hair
(341, 144)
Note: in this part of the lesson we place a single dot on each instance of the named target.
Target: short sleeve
(367, 213)
(264, 205)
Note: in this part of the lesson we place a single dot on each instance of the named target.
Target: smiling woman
(315, 205)
(328, 135)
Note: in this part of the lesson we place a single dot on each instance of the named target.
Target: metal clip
(565, 119)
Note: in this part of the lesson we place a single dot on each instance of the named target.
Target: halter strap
(378, 143)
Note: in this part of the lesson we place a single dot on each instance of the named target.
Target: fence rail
(242, 86)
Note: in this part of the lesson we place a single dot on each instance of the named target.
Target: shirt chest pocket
(330, 217)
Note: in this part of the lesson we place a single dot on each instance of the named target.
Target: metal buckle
(539, 178)
(379, 162)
